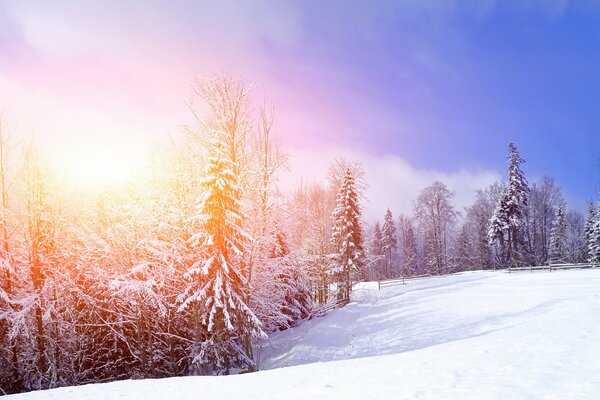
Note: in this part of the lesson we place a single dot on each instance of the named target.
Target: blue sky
(453, 86)
(416, 90)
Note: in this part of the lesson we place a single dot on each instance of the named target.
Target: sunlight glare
(95, 169)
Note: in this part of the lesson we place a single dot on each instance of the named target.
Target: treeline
(183, 272)
(510, 224)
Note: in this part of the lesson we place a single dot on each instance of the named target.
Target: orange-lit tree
(217, 284)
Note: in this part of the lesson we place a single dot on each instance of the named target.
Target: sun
(93, 169)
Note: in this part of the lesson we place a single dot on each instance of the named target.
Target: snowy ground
(479, 335)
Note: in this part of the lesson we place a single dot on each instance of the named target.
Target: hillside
(472, 335)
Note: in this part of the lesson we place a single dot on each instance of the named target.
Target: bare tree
(436, 217)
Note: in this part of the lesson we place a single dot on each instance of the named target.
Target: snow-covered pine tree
(587, 231)
(516, 202)
(558, 237)
(281, 296)
(389, 241)
(347, 237)
(508, 218)
(593, 235)
(499, 227)
(217, 286)
(296, 301)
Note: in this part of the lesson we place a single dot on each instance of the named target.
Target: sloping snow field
(476, 335)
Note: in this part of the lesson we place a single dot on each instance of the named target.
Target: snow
(473, 335)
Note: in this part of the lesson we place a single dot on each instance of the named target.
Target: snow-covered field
(477, 335)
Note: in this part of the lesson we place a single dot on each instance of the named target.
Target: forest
(188, 269)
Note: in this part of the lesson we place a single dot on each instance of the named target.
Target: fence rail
(552, 267)
(326, 308)
(400, 281)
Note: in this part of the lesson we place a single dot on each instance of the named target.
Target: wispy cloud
(392, 181)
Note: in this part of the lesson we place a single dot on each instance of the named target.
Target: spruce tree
(507, 221)
(347, 235)
(516, 202)
(217, 285)
(558, 237)
(593, 235)
(588, 231)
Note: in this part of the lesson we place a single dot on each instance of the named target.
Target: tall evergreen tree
(516, 202)
(389, 242)
(593, 234)
(347, 235)
(508, 218)
(217, 285)
(558, 237)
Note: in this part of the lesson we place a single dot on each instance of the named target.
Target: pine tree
(499, 227)
(347, 235)
(389, 241)
(558, 237)
(589, 231)
(218, 287)
(593, 235)
(508, 218)
(281, 296)
(516, 201)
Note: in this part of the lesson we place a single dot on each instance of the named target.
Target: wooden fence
(400, 281)
(326, 308)
(552, 267)
(332, 305)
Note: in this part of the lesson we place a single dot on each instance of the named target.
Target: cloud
(392, 181)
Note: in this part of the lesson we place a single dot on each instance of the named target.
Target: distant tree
(558, 237)
(389, 241)
(347, 238)
(478, 217)
(436, 217)
(408, 240)
(376, 253)
(464, 260)
(576, 249)
(544, 199)
(309, 234)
